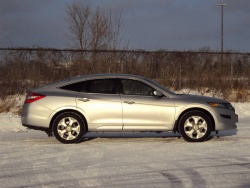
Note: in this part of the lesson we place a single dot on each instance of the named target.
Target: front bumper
(225, 120)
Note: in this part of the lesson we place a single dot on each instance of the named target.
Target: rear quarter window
(106, 86)
(78, 87)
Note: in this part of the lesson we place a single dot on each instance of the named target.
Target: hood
(200, 98)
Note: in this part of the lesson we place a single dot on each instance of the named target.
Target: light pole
(222, 5)
(222, 50)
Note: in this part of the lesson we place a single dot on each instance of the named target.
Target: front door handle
(84, 99)
(129, 102)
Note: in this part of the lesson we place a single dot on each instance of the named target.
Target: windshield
(160, 86)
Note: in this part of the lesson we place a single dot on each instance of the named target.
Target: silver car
(120, 102)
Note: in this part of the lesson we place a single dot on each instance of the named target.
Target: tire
(195, 126)
(69, 128)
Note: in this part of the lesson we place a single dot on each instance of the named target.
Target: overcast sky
(148, 24)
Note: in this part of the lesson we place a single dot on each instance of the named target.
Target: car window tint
(133, 87)
(74, 87)
(101, 86)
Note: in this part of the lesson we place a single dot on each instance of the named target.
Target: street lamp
(222, 5)
(222, 51)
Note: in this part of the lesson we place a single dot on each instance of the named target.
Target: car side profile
(122, 103)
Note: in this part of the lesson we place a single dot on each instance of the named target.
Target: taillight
(32, 97)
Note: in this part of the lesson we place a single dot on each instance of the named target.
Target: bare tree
(93, 28)
(99, 30)
(78, 15)
(115, 26)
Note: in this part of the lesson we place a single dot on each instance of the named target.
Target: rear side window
(101, 86)
(107, 86)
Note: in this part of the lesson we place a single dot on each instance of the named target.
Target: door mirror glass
(158, 93)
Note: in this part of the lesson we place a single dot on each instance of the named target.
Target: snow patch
(11, 123)
(242, 109)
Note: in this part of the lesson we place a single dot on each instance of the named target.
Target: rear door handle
(129, 102)
(84, 99)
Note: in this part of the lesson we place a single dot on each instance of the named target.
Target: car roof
(92, 76)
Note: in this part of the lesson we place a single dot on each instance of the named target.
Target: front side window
(133, 87)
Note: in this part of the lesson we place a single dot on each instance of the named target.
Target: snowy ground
(31, 159)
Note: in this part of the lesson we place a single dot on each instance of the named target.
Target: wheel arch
(194, 109)
(67, 110)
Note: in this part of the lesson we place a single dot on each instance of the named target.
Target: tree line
(203, 71)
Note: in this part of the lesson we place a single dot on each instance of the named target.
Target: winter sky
(148, 24)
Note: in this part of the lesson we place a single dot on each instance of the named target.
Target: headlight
(221, 105)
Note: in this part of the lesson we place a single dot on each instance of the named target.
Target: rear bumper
(35, 116)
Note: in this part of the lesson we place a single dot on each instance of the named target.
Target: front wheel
(195, 126)
(69, 128)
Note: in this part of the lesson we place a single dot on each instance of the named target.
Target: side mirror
(158, 93)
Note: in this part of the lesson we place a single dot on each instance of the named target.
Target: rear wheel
(195, 126)
(69, 128)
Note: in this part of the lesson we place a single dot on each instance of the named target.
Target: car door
(144, 111)
(101, 104)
